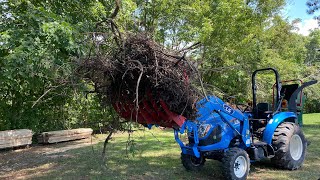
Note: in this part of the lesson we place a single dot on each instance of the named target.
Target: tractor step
(259, 143)
(261, 150)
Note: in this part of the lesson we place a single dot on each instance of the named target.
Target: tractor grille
(214, 137)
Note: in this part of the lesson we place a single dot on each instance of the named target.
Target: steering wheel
(243, 110)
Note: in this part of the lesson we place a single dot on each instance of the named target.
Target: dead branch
(112, 16)
(48, 90)
(138, 68)
(193, 46)
(45, 93)
(105, 145)
(116, 10)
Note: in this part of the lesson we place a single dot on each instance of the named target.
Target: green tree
(39, 41)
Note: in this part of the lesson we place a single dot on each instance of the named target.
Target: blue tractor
(237, 137)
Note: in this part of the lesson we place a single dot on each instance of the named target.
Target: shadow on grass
(152, 160)
(22, 157)
(310, 168)
(149, 159)
(312, 125)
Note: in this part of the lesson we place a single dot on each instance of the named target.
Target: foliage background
(40, 41)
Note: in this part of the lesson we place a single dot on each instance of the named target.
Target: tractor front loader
(236, 137)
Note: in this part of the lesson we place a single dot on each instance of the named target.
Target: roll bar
(254, 90)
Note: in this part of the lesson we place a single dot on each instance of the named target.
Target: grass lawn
(157, 156)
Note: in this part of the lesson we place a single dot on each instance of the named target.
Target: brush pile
(139, 69)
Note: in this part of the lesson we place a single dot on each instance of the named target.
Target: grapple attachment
(150, 112)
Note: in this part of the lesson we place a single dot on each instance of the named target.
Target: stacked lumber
(64, 135)
(15, 138)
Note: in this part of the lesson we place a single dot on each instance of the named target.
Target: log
(64, 135)
(15, 138)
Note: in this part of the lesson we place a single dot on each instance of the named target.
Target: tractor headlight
(203, 130)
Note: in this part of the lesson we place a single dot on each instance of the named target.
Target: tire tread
(186, 162)
(228, 162)
(281, 141)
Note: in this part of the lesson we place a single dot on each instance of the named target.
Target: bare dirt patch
(29, 162)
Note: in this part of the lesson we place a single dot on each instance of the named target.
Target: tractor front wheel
(192, 163)
(290, 146)
(236, 164)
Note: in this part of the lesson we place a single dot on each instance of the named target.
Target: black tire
(232, 160)
(290, 152)
(192, 163)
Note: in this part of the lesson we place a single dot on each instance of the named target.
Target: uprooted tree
(138, 72)
(139, 67)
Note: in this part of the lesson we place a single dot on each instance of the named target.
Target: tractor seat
(261, 111)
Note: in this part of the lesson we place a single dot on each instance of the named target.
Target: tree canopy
(41, 41)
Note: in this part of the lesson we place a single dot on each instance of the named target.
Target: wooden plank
(20, 141)
(68, 132)
(15, 133)
(16, 142)
(64, 135)
(15, 138)
(67, 138)
(54, 139)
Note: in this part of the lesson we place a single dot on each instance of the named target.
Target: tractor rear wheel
(236, 164)
(192, 163)
(290, 146)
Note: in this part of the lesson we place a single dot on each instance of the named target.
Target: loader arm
(214, 114)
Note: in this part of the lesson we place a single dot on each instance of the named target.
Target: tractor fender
(275, 122)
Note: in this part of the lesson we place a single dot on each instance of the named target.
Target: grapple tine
(150, 112)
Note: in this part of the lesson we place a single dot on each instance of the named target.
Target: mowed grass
(156, 155)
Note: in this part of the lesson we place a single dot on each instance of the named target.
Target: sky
(298, 9)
